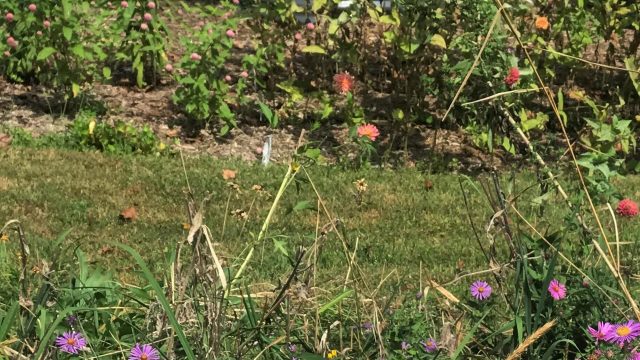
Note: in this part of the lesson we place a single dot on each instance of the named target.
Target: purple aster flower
(601, 333)
(367, 326)
(480, 290)
(634, 355)
(292, 348)
(144, 352)
(419, 295)
(404, 346)
(623, 333)
(71, 342)
(557, 290)
(429, 345)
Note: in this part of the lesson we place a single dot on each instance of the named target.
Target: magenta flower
(148, 17)
(231, 33)
(71, 342)
(12, 42)
(429, 345)
(480, 290)
(311, 26)
(623, 333)
(144, 352)
(601, 333)
(151, 5)
(634, 355)
(124, 4)
(557, 290)
(9, 17)
(33, 8)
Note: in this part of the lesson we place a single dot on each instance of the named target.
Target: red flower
(513, 77)
(343, 82)
(369, 131)
(627, 207)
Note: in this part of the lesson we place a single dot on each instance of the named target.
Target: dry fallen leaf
(5, 140)
(129, 214)
(228, 174)
(428, 184)
(171, 133)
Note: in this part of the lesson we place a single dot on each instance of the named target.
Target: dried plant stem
(592, 63)
(517, 353)
(615, 228)
(550, 97)
(500, 94)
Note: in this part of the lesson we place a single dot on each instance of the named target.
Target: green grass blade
(468, 337)
(335, 301)
(8, 319)
(161, 298)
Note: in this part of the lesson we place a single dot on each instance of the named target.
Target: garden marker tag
(266, 150)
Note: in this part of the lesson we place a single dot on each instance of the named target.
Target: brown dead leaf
(5, 140)
(228, 174)
(171, 133)
(105, 250)
(129, 214)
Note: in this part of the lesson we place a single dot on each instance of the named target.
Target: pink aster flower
(627, 207)
(634, 355)
(9, 17)
(196, 57)
(144, 352)
(124, 4)
(311, 26)
(230, 33)
(480, 290)
(623, 333)
(244, 74)
(144, 27)
(557, 290)
(429, 345)
(33, 8)
(369, 131)
(601, 333)
(513, 77)
(148, 17)
(151, 5)
(71, 342)
(46, 24)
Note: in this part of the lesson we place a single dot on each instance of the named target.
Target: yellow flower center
(143, 357)
(71, 341)
(481, 289)
(623, 331)
(555, 288)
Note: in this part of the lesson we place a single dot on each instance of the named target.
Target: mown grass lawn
(399, 228)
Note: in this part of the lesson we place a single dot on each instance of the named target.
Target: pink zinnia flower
(33, 8)
(148, 17)
(144, 352)
(12, 42)
(124, 4)
(623, 333)
(144, 27)
(195, 57)
(151, 5)
(627, 207)
(513, 77)
(429, 345)
(244, 74)
(369, 131)
(46, 24)
(227, 78)
(297, 36)
(480, 290)
(557, 290)
(71, 342)
(601, 333)
(310, 26)
(168, 68)
(231, 33)
(9, 17)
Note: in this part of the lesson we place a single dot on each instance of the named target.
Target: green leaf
(106, 72)
(314, 49)
(45, 53)
(140, 75)
(67, 32)
(266, 111)
(317, 5)
(303, 205)
(629, 63)
(159, 292)
(335, 301)
(438, 40)
(75, 89)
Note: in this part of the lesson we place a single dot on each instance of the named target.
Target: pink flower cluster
(512, 77)
(627, 207)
